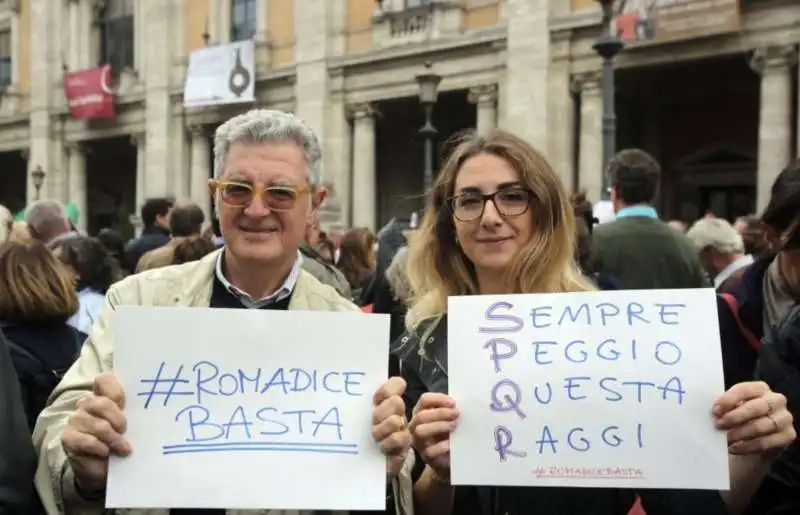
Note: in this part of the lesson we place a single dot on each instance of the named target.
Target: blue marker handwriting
(504, 319)
(516, 398)
(271, 426)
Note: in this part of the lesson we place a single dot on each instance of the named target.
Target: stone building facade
(524, 62)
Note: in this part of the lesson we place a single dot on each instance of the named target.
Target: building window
(243, 19)
(5, 58)
(116, 35)
(413, 4)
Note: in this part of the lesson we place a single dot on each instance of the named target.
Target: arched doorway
(111, 185)
(13, 180)
(719, 180)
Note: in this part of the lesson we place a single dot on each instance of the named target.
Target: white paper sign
(249, 409)
(608, 389)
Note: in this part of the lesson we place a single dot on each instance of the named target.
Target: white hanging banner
(222, 74)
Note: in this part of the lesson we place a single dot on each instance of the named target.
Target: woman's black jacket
(779, 366)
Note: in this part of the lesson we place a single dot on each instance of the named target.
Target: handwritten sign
(596, 389)
(249, 409)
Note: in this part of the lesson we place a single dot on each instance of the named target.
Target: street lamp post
(607, 46)
(428, 82)
(38, 180)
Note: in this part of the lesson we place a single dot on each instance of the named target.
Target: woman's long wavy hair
(437, 267)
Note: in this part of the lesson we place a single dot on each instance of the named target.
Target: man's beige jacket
(187, 285)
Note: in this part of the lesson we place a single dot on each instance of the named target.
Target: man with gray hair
(721, 251)
(48, 221)
(266, 188)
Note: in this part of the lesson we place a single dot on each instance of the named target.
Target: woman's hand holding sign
(94, 432)
(755, 418)
(435, 418)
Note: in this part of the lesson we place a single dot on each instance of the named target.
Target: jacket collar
(196, 284)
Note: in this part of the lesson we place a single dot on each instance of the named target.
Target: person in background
(94, 270)
(637, 248)
(326, 250)
(318, 266)
(34, 309)
(584, 243)
(721, 251)
(191, 249)
(115, 246)
(20, 232)
(678, 225)
(48, 221)
(6, 223)
(218, 240)
(755, 238)
(17, 457)
(155, 217)
(185, 220)
(357, 259)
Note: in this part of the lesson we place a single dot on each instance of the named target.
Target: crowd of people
(498, 220)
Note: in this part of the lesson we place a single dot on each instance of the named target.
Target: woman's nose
(491, 216)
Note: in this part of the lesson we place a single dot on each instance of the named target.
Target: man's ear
(318, 196)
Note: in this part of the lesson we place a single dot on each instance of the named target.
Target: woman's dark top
(42, 354)
(430, 375)
(779, 366)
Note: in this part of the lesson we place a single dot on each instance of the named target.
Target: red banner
(89, 96)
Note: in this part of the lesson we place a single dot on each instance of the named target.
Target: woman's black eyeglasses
(470, 206)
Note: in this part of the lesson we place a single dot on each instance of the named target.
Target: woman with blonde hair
(499, 222)
(34, 309)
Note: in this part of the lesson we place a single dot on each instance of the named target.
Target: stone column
(262, 25)
(775, 121)
(139, 141)
(76, 181)
(74, 61)
(139, 41)
(364, 194)
(200, 169)
(157, 98)
(485, 100)
(311, 89)
(88, 36)
(523, 98)
(45, 68)
(590, 163)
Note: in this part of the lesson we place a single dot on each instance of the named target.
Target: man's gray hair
(269, 126)
(716, 233)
